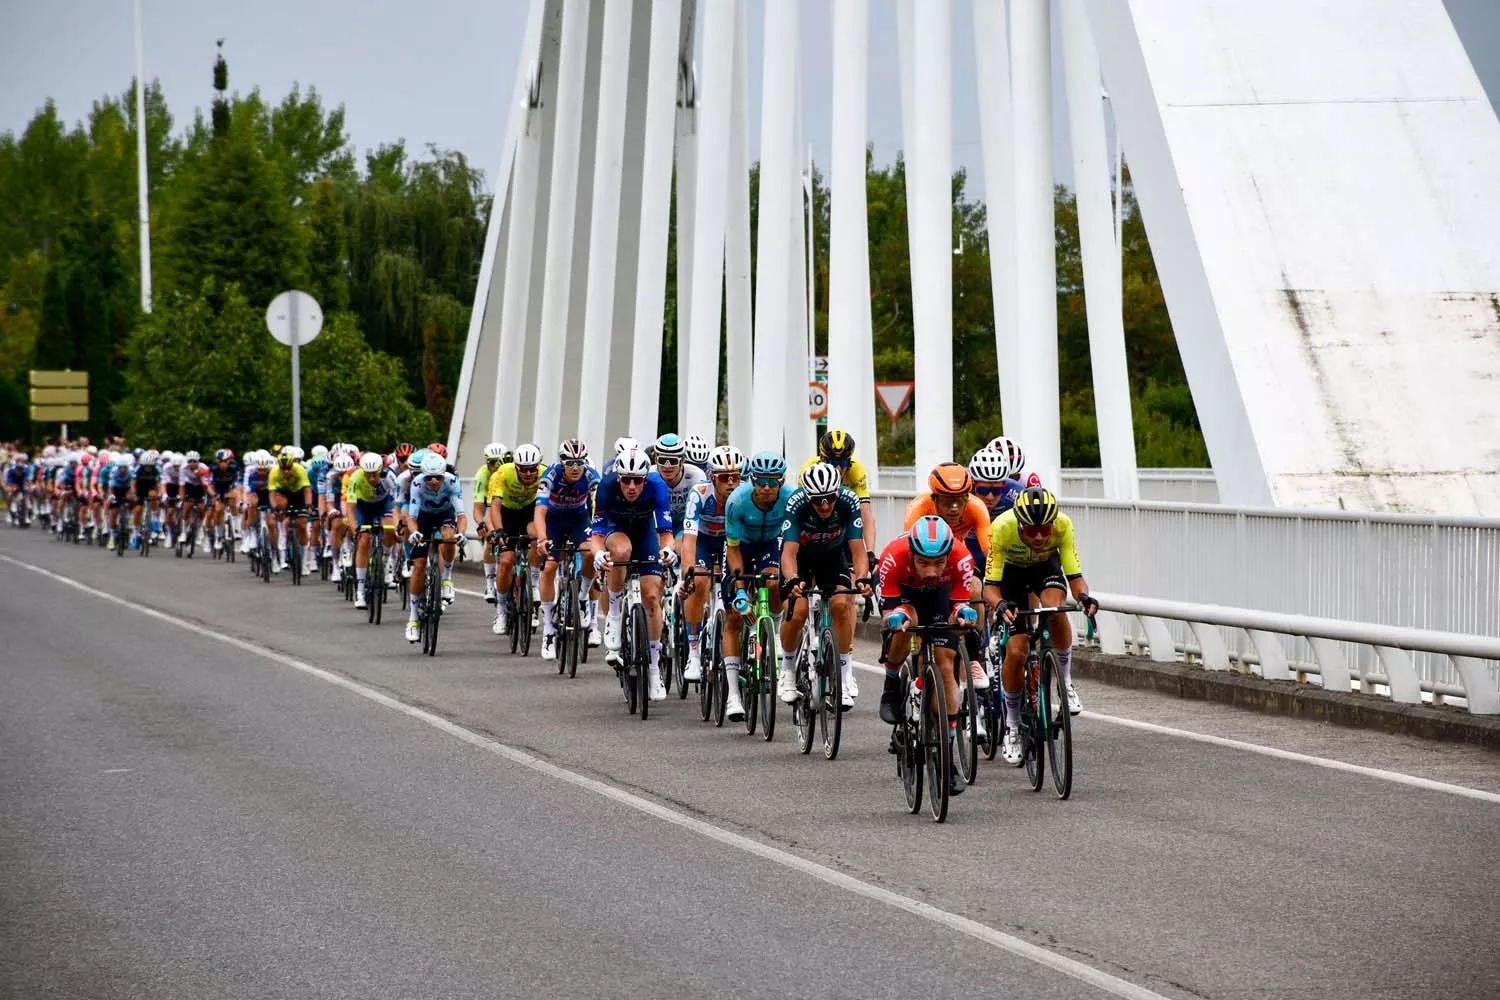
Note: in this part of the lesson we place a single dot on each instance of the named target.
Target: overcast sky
(441, 71)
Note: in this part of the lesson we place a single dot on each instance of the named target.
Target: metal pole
(292, 311)
(812, 246)
(141, 179)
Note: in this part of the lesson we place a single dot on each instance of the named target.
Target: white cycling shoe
(734, 711)
(981, 679)
(501, 625)
(851, 686)
(786, 685)
(694, 669)
(612, 633)
(655, 689)
(1075, 704)
(413, 631)
(549, 647)
(360, 604)
(448, 592)
(1010, 748)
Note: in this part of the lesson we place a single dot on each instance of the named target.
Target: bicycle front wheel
(828, 689)
(805, 708)
(640, 656)
(767, 672)
(936, 744)
(680, 650)
(968, 722)
(1034, 724)
(749, 680)
(909, 749)
(1059, 727)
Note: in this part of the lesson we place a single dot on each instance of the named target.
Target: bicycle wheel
(936, 745)
(640, 655)
(1033, 712)
(434, 601)
(680, 650)
(968, 721)
(706, 657)
(749, 679)
(523, 619)
(194, 523)
(994, 718)
(563, 630)
(294, 557)
(1059, 728)
(720, 693)
(805, 708)
(908, 738)
(828, 686)
(516, 586)
(767, 671)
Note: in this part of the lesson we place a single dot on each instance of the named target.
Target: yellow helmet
(836, 446)
(1036, 506)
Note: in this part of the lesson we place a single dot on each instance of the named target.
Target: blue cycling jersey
(317, 474)
(426, 500)
(745, 521)
(556, 493)
(120, 475)
(612, 512)
(1013, 488)
(704, 516)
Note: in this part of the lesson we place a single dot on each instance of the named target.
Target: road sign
(59, 379)
(55, 397)
(895, 397)
(59, 414)
(295, 318)
(817, 400)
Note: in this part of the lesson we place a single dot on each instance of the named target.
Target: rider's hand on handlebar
(601, 561)
(1088, 604)
(897, 620)
(668, 558)
(741, 601)
(544, 546)
(965, 616)
(415, 538)
(1008, 612)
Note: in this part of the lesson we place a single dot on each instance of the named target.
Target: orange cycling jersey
(975, 517)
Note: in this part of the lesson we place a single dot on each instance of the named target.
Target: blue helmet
(766, 463)
(930, 537)
(415, 459)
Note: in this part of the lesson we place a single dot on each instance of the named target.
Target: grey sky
(441, 71)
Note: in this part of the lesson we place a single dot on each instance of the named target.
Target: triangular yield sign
(894, 396)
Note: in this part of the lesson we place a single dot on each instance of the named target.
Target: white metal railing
(1430, 574)
(1175, 485)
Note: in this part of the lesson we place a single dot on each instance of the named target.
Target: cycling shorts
(563, 524)
(825, 568)
(515, 521)
(194, 492)
(373, 511)
(119, 494)
(756, 557)
(431, 524)
(932, 607)
(1018, 583)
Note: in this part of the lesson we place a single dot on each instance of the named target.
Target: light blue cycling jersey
(426, 500)
(691, 477)
(704, 516)
(745, 522)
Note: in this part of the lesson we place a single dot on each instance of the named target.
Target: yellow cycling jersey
(854, 476)
(288, 479)
(1007, 548)
(482, 483)
(505, 485)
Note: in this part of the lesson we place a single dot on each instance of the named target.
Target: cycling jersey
(691, 477)
(428, 500)
(482, 482)
(898, 573)
(651, 509)
(225, 475)
(194, 478)
(505, 485)
(169, 473)
(288, 478)
(556, 493)
(974, 519)
(853, 477)
(705, 516)
(359, 489)
(317, 474)
(1010, 489)
(1011, 550)
(745, 521)
(810, 530)
(146, 477)
(333, 484)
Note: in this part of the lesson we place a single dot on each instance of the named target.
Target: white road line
(1302, 758)
(1097, 978)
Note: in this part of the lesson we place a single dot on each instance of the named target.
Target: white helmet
(125, 458)
(49, 451)
(821, 480)
(150, 457)
(988, 466)
(495, 451)
(698, 450)
(727, 458)
(343, 462)
(1012, 454)
(319, 451)
(264, 459)
(371, 462)
(434, 465)
(528, 456)
(192, 456)
(624, 444)
(632, 463)
(295, 452)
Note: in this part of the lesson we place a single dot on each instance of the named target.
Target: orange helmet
(403, 451)
(438, 448)
(950, 479)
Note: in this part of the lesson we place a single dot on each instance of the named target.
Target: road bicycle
(820, 681)
(759, 648)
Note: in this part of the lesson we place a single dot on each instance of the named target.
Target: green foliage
(15, 418)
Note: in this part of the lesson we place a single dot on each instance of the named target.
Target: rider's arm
(789, 559)
(860, 556)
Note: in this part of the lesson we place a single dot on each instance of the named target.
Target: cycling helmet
(439, 449)
(528, 456)
(415, 459)
(50, 451)
(294, 451)
(698, 449)
(930, 537)
(836, 446)
(151, 457)
(224, 455)
(265, 460)
(1014, 460)
(434, 464)
(624, 444)
(1035, 506)
(86, 459)
(495, 452)
(572, 450)
(192, 456)
(821, 480)
(404, 449)
(725, 459)
(126, 459)
(343, 462)
(670, 446)
(950, 480)
(341, 448)
(633, 463)
(988, 466)
(371, 462)
(319, 452)
(765, 464)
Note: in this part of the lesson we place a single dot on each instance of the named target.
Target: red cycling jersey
(898, 575)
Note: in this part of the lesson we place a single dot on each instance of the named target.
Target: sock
(692, 631)
(892, 682)
(489, 572)
(447, 572)
(1012, 708)
(547, 627)
(359, 576)
(844, 659)
(502, 603)
(615, 597)
(655, 653)
(413, 609)
(731, 664)
(1065, 665)
(535, 576)
(788, 663)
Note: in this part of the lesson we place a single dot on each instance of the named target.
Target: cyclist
(511, 493)
(120, 477)
(341, 468)
(144, 494)
(836, 448)
(495, 455)
(291, 496)
(681, 476)
(317, 474)
(633, 520)
(257, 489)
(753, 522)
(823, 546)
(195, 480)
(995, 489)
(926, 579)
(223, 477)
(622, 445)
(1034, 563)
(950, 496)
(436, 508)
(564, 510)
(702, 543)
(372, 492)
(170, 468)
(698, 452)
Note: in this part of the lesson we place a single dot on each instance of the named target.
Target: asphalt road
(315, 810)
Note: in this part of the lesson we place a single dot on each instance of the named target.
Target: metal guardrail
(1174, 485)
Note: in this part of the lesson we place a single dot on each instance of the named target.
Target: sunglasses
(632, 480)
(668, 463)
(764, 481)
(1036, 530)
(823, 501)
(988, 491)
(727, 477)
(431, 479)
(574, 463)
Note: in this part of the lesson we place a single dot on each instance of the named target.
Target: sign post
(59, 397)
(295, 318)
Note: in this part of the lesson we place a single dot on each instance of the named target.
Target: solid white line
(972, 928)
(1397, 777)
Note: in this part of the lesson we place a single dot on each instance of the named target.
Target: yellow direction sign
(59, 380)
(59, 414)
(54, 397)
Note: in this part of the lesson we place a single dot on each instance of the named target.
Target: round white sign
(294, 311)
